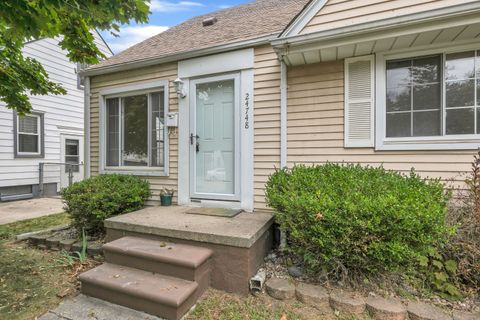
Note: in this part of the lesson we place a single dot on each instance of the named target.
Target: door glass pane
(72, 153)
(215, 152)
(28, 143)
(399, 125)
(113, 131)
(460, 121)
(74, 162)
(135, 131)
(158, 128)
(426, 123)
(71, 147)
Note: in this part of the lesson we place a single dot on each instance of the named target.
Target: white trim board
(246, 134)
(301, 21)
(218, 63)
(444, 142)
(120, 91)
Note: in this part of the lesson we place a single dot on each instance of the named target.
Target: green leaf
(451, 266)
(423, 261)
(437, 264)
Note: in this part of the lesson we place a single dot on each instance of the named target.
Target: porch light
(180, 87)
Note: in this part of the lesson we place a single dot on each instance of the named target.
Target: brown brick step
(159, 295)
(170, 259)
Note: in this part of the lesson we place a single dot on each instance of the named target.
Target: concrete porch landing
(239, 244)
(242, 230)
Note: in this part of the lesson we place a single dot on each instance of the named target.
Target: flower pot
(166, 200)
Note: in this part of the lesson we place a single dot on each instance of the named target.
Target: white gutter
(86, 121)
(180, 56)
(460, 14)
(283, 114)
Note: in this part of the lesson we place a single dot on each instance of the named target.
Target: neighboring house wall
(61, 114)
(267, 120)
(158, 72)
(341, 13)
(316, 129)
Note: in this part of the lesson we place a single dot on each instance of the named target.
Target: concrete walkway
(28, 209)
(86, 308)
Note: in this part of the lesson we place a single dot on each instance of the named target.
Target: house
(211, 107)
(52, 134)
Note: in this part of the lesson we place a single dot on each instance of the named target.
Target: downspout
(283, 130)
(283, 114)
(86, 121)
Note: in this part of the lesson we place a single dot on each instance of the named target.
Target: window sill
(29, 156)
(427, 143)
(137, 172)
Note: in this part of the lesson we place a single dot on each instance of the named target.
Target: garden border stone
(386, 309)
(347, 302)
(423, 311)
(312, 295)
(281, 289)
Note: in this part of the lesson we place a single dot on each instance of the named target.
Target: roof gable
(334, 14)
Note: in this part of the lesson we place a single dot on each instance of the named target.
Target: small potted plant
(166, 196)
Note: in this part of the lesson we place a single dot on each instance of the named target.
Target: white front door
(72, 158)
(214, 138)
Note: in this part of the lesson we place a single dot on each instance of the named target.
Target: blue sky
(165, 14)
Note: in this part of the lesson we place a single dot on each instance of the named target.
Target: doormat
(217, 212)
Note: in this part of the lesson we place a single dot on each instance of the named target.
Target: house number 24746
(247, 109)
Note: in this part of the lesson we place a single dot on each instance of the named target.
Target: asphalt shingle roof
(248, 21)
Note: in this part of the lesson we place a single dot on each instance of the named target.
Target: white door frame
(81, 158)
(236, 196)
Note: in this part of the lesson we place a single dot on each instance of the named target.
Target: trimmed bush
(91, 201)
(361, 219)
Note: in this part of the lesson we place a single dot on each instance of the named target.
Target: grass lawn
(218, 305)
(31, 281)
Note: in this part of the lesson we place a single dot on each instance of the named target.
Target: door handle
(192, 137)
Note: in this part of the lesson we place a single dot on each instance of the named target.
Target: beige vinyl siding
(266, 119)
(315, 131)
(341, 13)
(158, 72)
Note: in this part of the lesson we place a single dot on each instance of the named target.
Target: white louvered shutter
(359, 102)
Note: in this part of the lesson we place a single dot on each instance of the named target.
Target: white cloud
(224, 6)
(132, 35)
(167, 6)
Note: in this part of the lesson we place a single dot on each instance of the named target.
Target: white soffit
(416, 40)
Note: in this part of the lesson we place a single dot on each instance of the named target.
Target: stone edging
(45, 241)
(352, 303)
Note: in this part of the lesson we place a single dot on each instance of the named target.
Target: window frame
(40, 136)
(443, 142)
(132, 90)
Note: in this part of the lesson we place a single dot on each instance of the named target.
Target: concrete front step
(175, 260)
(156, 294)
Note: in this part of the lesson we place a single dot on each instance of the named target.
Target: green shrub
(91, 201)
(361, 219)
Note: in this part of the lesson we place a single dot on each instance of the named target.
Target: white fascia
(422, 21)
